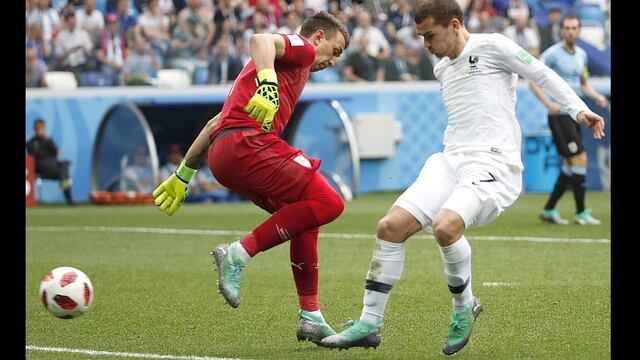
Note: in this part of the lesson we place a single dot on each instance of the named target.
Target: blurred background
(124, 86)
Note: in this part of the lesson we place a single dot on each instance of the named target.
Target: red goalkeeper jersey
(292, 70)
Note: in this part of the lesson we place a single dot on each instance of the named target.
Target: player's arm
(169, 195)
(585, 85)
(265, 48)
(519, 61)
(198, 150)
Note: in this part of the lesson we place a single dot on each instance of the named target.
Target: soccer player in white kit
(475, 178)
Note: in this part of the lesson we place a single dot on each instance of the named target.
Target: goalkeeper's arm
(264, 49)
(169, 195)
(198, 150)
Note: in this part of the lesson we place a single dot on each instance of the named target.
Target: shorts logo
(302, 161)
(573, 147)
(493, 179)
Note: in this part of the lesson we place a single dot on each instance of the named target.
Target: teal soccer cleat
(585, 218)
(229, 268)
(460, 327)
(552, 216)
(356, 334)
(313, 328)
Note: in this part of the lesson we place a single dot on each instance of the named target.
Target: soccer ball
(66, 292)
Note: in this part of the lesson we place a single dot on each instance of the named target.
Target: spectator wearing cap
(113, 49)
(73, 47)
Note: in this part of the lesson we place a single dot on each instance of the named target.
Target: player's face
(570, 30)
(40, 130)
(327, 50)
(438, 40)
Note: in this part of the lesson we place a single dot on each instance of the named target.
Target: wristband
(185, 173)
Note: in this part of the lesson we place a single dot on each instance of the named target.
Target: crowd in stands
(126, 42)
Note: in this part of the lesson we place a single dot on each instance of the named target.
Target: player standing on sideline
(478, 175)
(570, 62)
(248, 157)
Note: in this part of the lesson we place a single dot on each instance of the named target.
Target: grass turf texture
(156, 293)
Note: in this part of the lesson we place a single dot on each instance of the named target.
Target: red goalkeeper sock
(304, 265)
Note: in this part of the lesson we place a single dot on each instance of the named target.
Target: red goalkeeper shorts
(261, 167)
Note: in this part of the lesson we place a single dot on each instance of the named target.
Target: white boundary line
(122, 354)
(203, 232)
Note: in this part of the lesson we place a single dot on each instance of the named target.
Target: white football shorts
(477, 186)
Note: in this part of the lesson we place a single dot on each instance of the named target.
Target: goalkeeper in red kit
(246, 155)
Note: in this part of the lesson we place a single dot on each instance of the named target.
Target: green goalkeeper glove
(169, 195)
(263, 105)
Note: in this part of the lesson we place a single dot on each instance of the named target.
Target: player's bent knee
(388, 230)
(445, 232)
(328, 208)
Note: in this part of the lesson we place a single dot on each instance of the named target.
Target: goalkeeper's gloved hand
(265, 102)
(169, 195)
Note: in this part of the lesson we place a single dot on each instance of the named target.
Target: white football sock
(384, 272)
(242, 253)
(316, 313)
(457, 272)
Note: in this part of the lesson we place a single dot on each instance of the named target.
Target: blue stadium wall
(73, 118)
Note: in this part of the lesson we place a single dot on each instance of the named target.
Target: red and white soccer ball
(66, 292)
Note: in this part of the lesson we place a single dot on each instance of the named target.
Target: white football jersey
(479, 93)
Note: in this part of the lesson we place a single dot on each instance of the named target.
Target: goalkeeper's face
(327, 50)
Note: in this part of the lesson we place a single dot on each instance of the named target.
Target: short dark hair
(570, 17)
(38, 121)
(322, 20)
(442, 11)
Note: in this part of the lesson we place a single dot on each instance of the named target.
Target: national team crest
(473, 61)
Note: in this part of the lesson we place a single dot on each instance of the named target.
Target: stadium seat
(62, 80)
(96, 78)
(173, 78)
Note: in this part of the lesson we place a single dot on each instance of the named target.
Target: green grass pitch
(155, 292)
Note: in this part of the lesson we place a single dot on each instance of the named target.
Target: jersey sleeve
(517, 60)
(298, 51)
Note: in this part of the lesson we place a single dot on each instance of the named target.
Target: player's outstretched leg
(356, 334)
(229, 265)
(313, 328)
(460, 327)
